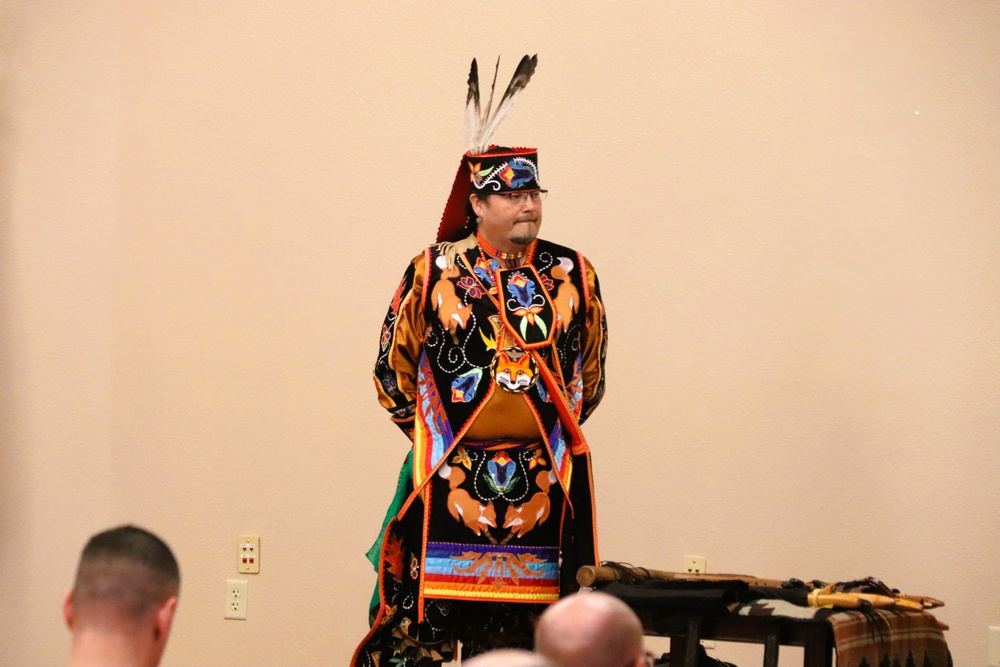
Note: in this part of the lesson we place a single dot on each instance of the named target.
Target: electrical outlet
(694, 565)
(993, 658)
(248, 554)
(236, 599)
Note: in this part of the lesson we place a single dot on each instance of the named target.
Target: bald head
(590, 630)
(509, 657)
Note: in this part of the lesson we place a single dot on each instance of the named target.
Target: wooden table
(686, 630)
(689, 608)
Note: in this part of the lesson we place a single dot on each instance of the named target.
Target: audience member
(591, 629)
(123, 600)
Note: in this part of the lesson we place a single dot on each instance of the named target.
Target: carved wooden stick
(588, 575)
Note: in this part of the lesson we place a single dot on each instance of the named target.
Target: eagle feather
(480, 123)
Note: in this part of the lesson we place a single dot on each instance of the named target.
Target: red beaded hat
(486, 168)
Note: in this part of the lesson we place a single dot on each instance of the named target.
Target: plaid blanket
(872, 638)
(875, 638)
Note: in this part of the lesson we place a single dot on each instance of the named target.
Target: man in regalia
(491, 357)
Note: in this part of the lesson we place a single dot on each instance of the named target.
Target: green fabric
(404, 487)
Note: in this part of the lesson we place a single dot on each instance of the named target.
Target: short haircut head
(127, 568)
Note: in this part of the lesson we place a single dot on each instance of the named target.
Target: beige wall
(205, 207)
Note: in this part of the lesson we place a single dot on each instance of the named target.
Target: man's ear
(68, 609)
(477, 204)
(164, 617)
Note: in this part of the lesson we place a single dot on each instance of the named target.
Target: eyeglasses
(521, 197)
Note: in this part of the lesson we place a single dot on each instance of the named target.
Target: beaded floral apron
(492, 525)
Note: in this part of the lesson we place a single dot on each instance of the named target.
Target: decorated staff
(490, 358)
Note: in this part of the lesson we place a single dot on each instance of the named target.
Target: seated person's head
(591, 629)
(126, 589)
(509, 657)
